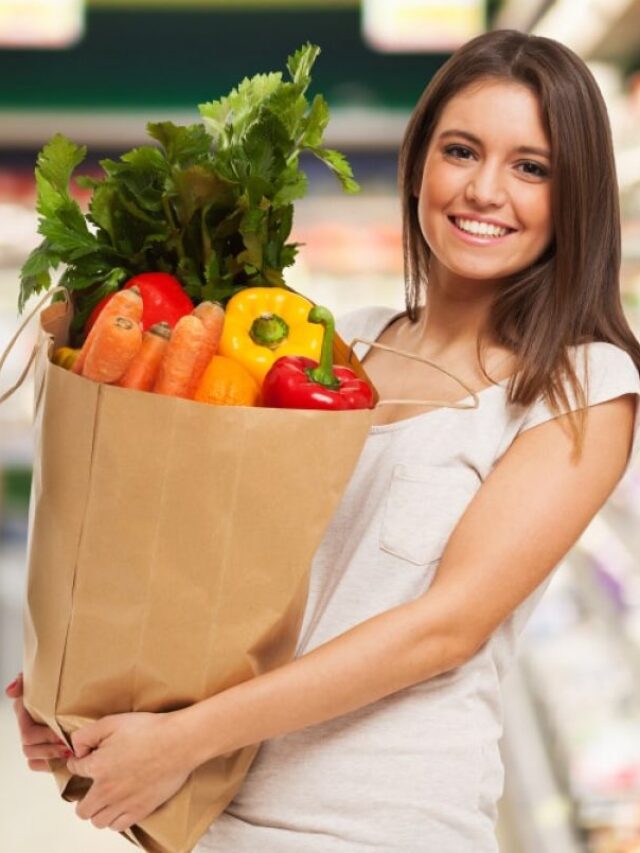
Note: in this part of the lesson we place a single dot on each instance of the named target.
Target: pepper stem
(323, 374)
(269, 330)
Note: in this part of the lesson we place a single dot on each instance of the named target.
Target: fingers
(90, 737)
(16, 687)
(47, 750)
(82, 766)
(96, 806)
(40, 744)
(106, 817)
(112, 818)
(93, 802)
(122, 823)
(25, 721)
(33, 733)
(81, 750)
(38, 765)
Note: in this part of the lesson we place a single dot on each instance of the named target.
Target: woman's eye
(534, 169)
(455, 150)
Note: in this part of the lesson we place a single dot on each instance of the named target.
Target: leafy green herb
(211, 203)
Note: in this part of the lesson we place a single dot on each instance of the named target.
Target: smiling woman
(383, 732)
(478, 188)
(512, 133)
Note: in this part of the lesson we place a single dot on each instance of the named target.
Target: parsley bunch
(211, 203)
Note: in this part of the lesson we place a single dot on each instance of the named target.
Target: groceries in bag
(208, 588)
(296, 382)
(208, 204)
(233, 357)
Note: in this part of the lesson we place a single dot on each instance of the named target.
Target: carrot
(176, 367)
(124, 303)
(212, 316)
(141, 373)
(112, 349)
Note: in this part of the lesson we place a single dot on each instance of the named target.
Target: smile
(479, 232)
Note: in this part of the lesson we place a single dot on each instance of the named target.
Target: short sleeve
(611, 373)
(363, 323)
(351, 324)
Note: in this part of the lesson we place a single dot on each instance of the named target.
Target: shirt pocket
(422, 507)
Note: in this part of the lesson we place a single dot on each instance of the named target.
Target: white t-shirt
(419, 770)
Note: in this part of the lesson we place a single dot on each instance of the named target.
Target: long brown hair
(570, 294)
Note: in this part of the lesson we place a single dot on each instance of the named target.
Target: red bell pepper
(163, 300)
(297, 382)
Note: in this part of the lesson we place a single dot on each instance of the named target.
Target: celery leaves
(211, 202)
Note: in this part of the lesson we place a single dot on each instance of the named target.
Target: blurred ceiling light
(421, 26)
(41, 23)
(580, 24)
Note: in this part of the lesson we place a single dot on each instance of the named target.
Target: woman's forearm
(377, 657)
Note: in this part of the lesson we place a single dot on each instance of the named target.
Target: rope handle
(21, 329)
(440, 403)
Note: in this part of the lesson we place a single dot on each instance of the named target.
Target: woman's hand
(39, 743)
(137, 762)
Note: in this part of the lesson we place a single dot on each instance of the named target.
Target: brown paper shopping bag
(169, 552)
(170, 543)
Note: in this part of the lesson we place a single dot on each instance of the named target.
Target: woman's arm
(523, 520)
(380, 656)
(526, 516)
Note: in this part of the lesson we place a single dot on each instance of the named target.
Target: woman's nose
(485, 187)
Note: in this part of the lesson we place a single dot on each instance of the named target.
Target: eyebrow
(522, 149)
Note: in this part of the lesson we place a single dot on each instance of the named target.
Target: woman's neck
(453, 318)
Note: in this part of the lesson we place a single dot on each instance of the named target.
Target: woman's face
(484, 203)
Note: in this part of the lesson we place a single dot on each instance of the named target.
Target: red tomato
(163, 299)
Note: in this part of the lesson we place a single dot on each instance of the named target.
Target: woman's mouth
(479, 233)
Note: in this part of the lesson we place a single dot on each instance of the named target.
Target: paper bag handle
(439, 403)
(21, 329)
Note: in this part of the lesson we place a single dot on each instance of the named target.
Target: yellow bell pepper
(261, 324)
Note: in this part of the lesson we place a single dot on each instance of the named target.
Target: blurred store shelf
(537, 807)
(596, 30)
(360, 127)
(574, 781)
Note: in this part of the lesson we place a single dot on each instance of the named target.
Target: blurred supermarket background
(98, 71)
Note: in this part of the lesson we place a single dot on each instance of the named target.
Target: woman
(383, 732)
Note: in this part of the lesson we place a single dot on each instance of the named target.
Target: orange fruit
(226, 382)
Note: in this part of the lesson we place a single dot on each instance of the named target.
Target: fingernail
(12, 685)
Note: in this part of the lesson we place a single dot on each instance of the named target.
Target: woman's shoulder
(364, 322)
(604, 371)
(602, 366)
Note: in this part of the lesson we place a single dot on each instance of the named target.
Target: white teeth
(482, 228)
